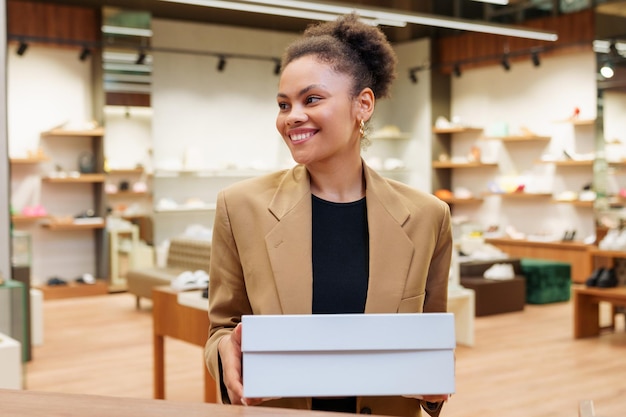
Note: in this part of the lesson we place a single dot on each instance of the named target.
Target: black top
(340, 256)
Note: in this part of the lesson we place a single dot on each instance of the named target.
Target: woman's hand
(230, 354)
(430, 398)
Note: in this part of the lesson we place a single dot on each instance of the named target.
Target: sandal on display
(56, 281)
(86, 279)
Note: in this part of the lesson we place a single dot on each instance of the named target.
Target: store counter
(17, 403)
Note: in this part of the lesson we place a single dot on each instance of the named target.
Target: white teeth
(300, 136)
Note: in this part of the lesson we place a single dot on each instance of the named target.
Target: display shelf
(457, 129)
(576, 203)
(32, 160)
(521, 196)
(449, 164)
(583, 122)
(233, 173)
(570, 163)
(206, 207)
(20, 218)
(60, 132)
(125, 171)
(73, 226)
(82, 178)
(468, 201)
(123, 194)
(520, 138)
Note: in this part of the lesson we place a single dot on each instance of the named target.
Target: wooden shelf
(84, 178)
(472, 200)
(522, 196)
(571, 163)
(182, 209)
(583, 122)
(448, 164)
(520, 138)
(458, 129)
(59, 132)
(73, 226)
(20, 218)
(576, 203)
(129, 194)
(34, 160)
(125, 171)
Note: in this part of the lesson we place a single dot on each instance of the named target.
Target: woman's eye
(283, 106)
(312, 99)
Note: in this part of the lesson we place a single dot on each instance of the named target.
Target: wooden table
(574, 253)
(172, 319)
(17, 403)
(587, 307)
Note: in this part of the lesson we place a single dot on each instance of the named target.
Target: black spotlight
(456, 70)
(141, 58)
(277, 68)
(534, 56)
(505, 62)
(21, 49)
(84, 53)
(221, 64)
(413, 76)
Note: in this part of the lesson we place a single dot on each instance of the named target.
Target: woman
(329, 235)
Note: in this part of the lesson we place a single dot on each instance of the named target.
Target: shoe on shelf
(607, 279)
(592, 281)
(56, 281)
(86, 279)
(202, 278)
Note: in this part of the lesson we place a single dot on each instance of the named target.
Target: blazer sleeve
(228, 299)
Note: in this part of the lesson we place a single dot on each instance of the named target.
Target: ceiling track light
(384, 16)
(277, 67)
(221, 64)
(506, 64)
(456, 70)
(413, 76)
(607, 70)
(84, 53)
(534, 56)
(141, 58)
(21, 49)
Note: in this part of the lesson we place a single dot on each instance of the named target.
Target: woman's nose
(295, 116)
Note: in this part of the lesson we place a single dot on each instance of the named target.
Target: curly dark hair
(350, 47)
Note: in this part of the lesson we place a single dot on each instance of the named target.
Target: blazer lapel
(391, 250)
(289, 242)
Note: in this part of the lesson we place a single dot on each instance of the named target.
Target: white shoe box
(10, 363)
(348, 354)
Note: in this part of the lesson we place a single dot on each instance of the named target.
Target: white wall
(47, 87)
(534, 98)
(409, 109)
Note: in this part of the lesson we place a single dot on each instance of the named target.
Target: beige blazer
(261, 259)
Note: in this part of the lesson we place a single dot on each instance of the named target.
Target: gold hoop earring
(362, 128)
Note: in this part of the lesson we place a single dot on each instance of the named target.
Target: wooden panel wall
(576, 31)
(66, 24)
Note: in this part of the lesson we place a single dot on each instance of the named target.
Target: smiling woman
(330, 236)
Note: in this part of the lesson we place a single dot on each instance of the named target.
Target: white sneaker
(500, 272)
(202, 278)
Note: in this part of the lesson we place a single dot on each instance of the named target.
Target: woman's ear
(365, 103)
